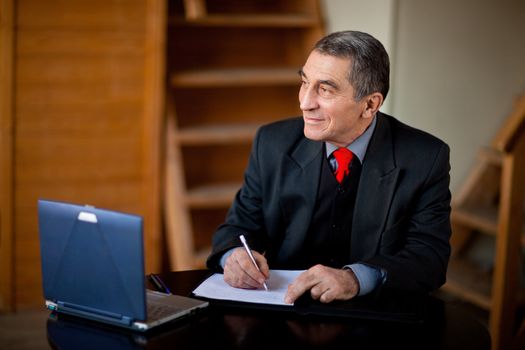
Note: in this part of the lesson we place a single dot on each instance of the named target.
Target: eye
(324, 90)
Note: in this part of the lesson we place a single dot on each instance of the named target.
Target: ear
(372, 104)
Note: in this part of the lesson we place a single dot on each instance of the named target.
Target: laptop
(93, 267)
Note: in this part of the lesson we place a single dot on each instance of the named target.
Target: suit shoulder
(285, 124)
(412, 136)
(283, 130)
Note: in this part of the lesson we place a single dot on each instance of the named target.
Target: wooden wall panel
(82, 14)
(82, 104)
(6, 156)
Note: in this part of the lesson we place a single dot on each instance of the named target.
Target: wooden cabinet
(232, 66)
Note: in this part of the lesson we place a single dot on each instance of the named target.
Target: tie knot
(343, 157)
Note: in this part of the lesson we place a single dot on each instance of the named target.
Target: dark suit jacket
(401, 220)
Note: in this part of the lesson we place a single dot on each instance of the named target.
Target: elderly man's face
(326, 98)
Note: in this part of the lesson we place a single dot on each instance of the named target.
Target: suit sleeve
(245, 215)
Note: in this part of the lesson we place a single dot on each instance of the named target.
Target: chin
(312, 134)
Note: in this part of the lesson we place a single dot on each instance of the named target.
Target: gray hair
(370, 70)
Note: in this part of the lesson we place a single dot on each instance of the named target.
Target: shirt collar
(360, 145)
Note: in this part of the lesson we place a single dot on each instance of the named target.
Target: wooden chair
(492, 202)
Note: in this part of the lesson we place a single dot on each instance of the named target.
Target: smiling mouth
(311, 120)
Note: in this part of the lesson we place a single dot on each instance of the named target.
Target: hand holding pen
(249, 251)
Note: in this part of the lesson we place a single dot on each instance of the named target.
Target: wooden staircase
(491, 202)
(231, 67)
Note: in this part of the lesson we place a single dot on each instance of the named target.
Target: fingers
(302, 283)
(325, 284)
(262, 263)
(240, 272)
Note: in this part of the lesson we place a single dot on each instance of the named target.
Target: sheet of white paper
(214, 287)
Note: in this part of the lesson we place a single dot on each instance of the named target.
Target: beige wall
(376, 17)
(457, 65)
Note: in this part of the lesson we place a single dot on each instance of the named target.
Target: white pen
(248, 250)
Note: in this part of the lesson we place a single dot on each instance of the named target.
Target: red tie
(343, 157)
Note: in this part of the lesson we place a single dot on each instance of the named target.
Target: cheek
(338, 119)
(331, 113)
(345, 113)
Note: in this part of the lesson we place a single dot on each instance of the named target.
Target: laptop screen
(92, 259)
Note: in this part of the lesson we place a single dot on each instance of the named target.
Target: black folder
(384, 304)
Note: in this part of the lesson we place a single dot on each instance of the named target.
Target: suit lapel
(374, 195)
(299, 178)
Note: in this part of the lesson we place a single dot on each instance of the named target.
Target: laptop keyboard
(160, 311)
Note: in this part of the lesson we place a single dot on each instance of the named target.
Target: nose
(307, 98)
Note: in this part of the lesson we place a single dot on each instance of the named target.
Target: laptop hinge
(88, 312)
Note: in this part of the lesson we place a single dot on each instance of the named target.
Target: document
(214, 287)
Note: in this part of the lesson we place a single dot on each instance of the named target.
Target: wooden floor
(26, 330)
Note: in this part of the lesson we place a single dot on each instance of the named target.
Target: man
(383, 219)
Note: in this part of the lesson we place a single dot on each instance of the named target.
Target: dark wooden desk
(216, 328)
